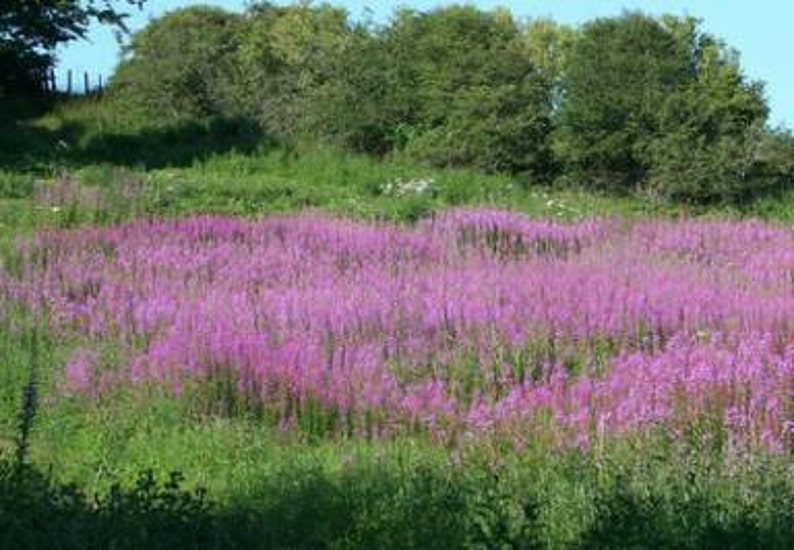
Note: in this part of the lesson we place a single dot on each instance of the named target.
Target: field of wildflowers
(473, 324)
(186, 362)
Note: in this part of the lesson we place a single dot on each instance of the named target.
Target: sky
(759, 29)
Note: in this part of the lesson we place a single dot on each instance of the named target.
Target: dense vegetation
(436, 372)
(628, 104)
(478, 380)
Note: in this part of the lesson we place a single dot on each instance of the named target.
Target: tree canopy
(30, 30)
(627, 104)
(658, 104)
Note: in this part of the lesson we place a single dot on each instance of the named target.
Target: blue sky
(759, 29)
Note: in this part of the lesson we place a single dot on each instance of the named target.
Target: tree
(711, 128)
(618, 73)
(657, 104)
(288, 54)
(776, 155)
(548, 44)
(31, 30)
(456, 89)
(183, 65)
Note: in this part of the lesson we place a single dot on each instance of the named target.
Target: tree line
(626, 104)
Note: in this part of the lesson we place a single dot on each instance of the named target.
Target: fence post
(53, 82)
(41, 80)
(69, 82)
(86, 89)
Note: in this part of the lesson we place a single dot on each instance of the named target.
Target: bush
(287, 54)
(463, 92)
(183, 66)
(678, 116)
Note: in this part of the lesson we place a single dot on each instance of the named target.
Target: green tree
(548, 45)
(183, 65)
(618, 73)
(354, 108)
(287, 54)
(657, 104)
(776, 156)
(711, 128)
(453, 87)
(30, 31)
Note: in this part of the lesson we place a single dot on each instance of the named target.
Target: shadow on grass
(369, 507)
(312, 511)
(626, 518)
(26, 145)
(363, 507)
(36, 512)
(174, 146)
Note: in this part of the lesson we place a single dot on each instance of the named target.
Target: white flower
(399, 188)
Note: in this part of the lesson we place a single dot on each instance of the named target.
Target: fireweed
(474, 323)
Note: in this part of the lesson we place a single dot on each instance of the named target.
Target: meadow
(212, 341)
(475, 323)
(462, 279)
(414, 375)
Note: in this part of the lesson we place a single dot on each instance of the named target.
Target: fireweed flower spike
(481, 323)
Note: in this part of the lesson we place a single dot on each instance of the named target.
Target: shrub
(182, 65)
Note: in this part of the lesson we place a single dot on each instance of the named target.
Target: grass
(225, 167)
(96, 473)
(275, 181)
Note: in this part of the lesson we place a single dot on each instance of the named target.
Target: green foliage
(548, 44)
(19, 69)
(31, 31)
(452, 87)
(629, 104)
(37, 512)
(655, 103)
(287, 53)
(462, 92)
(711, 129)
(403, 496)
(182, 66)
(617, 74)
(624, 104)
(361, 107)
(771, 168)
(688, 167)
